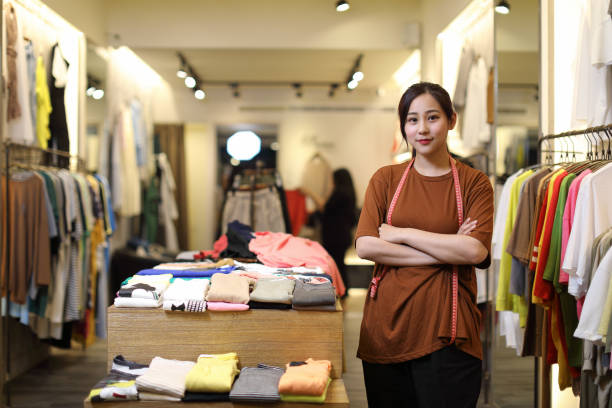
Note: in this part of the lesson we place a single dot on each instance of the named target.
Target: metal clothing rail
(591, 132)
(5, 369)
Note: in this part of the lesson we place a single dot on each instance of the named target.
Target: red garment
(296, 205)
(281, 250)
(219, 246)
(542, 288)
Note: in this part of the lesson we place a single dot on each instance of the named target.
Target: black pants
(446, 378)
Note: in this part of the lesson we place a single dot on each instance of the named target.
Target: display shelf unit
(273, 337)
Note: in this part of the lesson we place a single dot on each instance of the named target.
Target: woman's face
(427, 125)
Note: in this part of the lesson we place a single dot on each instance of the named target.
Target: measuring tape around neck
(454, 278)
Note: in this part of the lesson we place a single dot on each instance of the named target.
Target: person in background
(425, 224)
(337, 217)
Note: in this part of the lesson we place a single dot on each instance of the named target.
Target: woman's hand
(391, 234)
(467, 227)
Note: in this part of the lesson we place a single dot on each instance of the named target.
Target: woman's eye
(433, 117)
(412, 120)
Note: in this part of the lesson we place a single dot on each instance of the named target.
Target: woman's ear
(453, 121)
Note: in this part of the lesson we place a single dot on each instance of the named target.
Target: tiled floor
(65, 379)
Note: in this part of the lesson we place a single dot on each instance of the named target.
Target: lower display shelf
(336, 397)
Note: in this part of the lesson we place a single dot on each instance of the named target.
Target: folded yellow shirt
(213, 373)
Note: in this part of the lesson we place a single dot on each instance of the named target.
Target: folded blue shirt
(187, 273)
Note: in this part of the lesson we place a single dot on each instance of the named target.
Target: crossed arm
(414, 247)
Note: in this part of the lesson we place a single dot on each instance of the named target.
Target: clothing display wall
(56, 252)
(43, 70)
(552, 241)
(467, 74)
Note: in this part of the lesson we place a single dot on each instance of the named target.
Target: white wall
(201, 167)
(89, 16)
(435, 16)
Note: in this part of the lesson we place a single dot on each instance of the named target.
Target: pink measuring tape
(454, 278)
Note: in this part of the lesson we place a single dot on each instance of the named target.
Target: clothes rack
(599, 140)
(26, 158)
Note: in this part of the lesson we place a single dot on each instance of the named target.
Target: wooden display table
(336, 397)
(273, 337)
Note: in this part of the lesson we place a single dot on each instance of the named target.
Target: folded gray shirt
(313, 294)
(257, 384)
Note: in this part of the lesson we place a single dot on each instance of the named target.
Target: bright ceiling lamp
(342, 5)
(190, 82)
(243, 145)
(502, 7)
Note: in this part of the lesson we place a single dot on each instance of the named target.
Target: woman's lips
(424, 141)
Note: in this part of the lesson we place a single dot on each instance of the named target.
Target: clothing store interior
(182, 183)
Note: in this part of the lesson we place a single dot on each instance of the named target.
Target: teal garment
(52, 197)
(150, 210)
(38, 306)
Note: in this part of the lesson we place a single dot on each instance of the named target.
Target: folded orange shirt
(308, 379)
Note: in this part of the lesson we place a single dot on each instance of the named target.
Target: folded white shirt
(136, 302)
(187, 289)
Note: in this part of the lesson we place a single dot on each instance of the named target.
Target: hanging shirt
(593, 216)
(568, 218)
(43, 105)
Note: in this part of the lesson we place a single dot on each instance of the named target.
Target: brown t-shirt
(411, 314)
(518, 243)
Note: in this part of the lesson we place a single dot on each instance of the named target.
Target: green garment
(307, 398)
(150, 210)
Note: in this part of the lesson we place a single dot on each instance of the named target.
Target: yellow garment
(549, 195)
(307, 398)
(43, 105)
(213, 373)
(504, 301)
(119, 384)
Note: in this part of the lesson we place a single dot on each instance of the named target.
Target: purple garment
(187, 273)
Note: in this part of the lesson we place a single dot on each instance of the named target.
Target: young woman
(337, 217)
(425, 224)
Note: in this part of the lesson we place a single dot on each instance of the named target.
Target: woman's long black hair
(343, 184)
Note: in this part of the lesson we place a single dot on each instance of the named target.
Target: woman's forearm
(387, 253)
(455, 249)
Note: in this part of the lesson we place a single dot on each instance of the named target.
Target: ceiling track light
(502, 7)
(298, 89)
(355, 74)
(332, 89)
(342, 6)
(235, 90)
(182, 71)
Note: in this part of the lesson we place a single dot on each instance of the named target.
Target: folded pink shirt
(226, 307)
(282, 250)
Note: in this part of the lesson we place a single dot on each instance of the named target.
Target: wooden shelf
(336, 397)
(273, 337)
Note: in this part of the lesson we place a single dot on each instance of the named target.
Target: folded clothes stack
(120, 383)
(187, 295)
(305, 381)
(257, 384)
(272, 293)
(314, 295)
(228, 293)
(212, 376)
(164, 380)
(142, 291)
